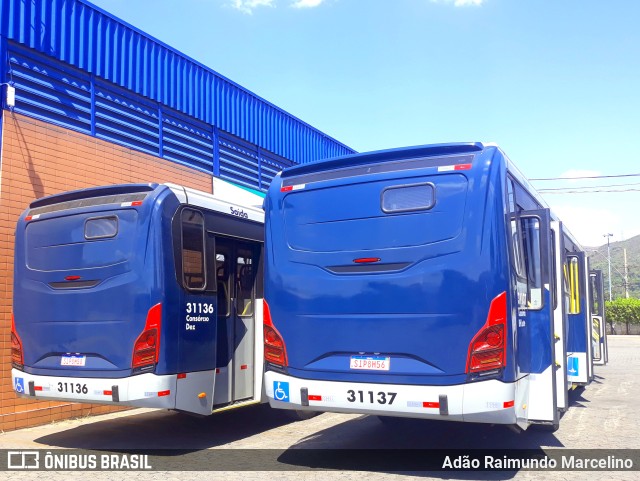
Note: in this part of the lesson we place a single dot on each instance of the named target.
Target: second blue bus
(424, 282)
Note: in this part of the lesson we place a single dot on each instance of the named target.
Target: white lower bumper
(144, 390)
(489, 401)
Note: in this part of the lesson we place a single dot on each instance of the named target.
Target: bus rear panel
(380, 276)
(130, 295)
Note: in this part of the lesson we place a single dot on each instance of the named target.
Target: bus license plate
(73, 360)
(370, 363)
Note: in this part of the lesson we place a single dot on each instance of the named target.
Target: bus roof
(385, 155)
(225, 196)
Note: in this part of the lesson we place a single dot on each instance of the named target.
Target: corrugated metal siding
(126, 119)
(82, 35)
(50, 92)
(54, 92)
(188, 142)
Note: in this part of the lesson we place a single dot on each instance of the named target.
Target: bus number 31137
(371, 397)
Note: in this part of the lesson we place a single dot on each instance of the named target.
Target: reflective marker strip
(315, 398)
(243, 367)
(289, 188)
(508, 404)
(131, 204)
(183, 375)
(37, 388)
(107, 393)
(451, 168)
(218, 370)
(163, 393)
(430, 405)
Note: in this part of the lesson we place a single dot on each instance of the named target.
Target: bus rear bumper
(489, 401)
(144, 390)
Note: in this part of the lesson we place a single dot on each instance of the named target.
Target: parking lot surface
(602, 416)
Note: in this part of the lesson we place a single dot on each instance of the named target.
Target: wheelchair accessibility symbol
(18, 385)
(281, 391)
(573, 367)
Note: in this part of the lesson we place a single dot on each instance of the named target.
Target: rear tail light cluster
(17, 355)
(488, 348)
(275, 351)
(147, 347)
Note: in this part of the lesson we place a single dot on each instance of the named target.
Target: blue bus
(424, 282)
(141, 295)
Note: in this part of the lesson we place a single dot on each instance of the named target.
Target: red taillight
(275, 352)
(17, 356)
(147, 347)
(366, 260)
(488, 349)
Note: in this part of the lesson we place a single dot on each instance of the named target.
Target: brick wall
(40, 159)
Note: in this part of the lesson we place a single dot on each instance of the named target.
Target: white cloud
(247, 6)
(306, 3)
(589, 224)
(461, 3)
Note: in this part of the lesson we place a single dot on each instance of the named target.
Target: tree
(623, 310)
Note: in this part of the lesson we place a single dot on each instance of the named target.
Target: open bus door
(579, 351)
(539, 317)
(237, 265)
(598, 320)
(560, 326)
(588, 306)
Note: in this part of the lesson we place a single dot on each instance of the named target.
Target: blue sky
(554, 83)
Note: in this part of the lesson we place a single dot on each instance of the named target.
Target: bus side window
(573, 272)
(554, 272)
(516, 237)
(596, 301)
(193, 256)
(533, 262)
(245, 281)
(222, 281)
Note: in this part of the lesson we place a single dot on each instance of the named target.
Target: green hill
(598, 260)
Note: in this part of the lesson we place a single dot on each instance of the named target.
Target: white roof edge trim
(227, 199)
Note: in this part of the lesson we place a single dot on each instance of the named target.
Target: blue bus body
(418, 282)
(131, 295)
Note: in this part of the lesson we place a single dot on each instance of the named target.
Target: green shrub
(622, 311)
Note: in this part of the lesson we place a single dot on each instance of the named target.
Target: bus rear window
(408, 197)
(101, 228)
(193, 261)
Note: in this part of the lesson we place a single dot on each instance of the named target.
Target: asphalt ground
(265, 443)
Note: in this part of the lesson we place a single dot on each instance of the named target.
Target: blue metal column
(3, 78)
(216, 152)
(259, 168)
(160, 131)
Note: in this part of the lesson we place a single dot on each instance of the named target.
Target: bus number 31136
(371, 397)
(72, 388)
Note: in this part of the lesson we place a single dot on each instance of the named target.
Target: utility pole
(626, 275)
(609, 260)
